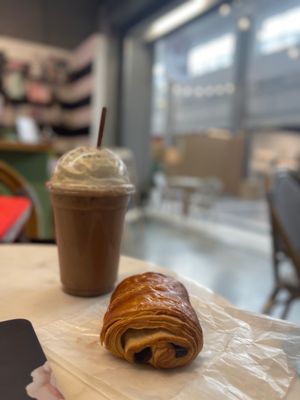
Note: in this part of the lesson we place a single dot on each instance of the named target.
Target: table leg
(186, 203)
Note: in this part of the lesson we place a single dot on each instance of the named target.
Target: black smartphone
(24, 370)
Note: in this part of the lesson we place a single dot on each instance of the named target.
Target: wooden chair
(284, 209)
(17, 185)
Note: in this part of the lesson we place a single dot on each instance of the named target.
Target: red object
(14, 212)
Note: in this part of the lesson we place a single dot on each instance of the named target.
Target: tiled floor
(237, 269)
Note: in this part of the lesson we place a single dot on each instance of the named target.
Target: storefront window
(211, 56)
(280, 31)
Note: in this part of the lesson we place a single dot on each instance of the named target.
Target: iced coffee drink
(90, 190)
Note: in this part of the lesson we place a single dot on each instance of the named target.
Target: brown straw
(101, 127)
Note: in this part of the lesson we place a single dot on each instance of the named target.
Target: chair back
(284, 202)
(17, 185)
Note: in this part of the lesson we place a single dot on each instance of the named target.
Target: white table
(30, 288)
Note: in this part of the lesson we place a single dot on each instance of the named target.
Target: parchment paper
(245, 356)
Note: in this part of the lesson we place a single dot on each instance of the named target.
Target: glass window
(211, 56)
(280, 31)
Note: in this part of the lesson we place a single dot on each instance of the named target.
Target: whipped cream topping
(89, 168)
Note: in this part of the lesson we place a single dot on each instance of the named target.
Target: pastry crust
(150, 320)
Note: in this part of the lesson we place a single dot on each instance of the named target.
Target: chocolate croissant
(150, 320)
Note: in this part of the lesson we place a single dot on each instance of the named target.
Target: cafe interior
(201, 103)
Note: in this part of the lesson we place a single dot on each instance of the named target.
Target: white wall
(29, 51)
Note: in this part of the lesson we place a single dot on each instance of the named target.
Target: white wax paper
(245, 356)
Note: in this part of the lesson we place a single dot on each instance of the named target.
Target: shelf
(25, 147)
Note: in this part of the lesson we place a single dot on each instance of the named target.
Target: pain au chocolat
(150, 320)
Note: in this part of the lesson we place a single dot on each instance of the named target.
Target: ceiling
(124, 14)
(65, 23)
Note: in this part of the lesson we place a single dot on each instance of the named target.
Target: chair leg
(287, 307)
(271, 302)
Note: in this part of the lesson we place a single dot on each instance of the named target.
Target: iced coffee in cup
(90, 190)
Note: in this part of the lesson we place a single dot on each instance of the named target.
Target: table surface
(191, 183)
(30, 288)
